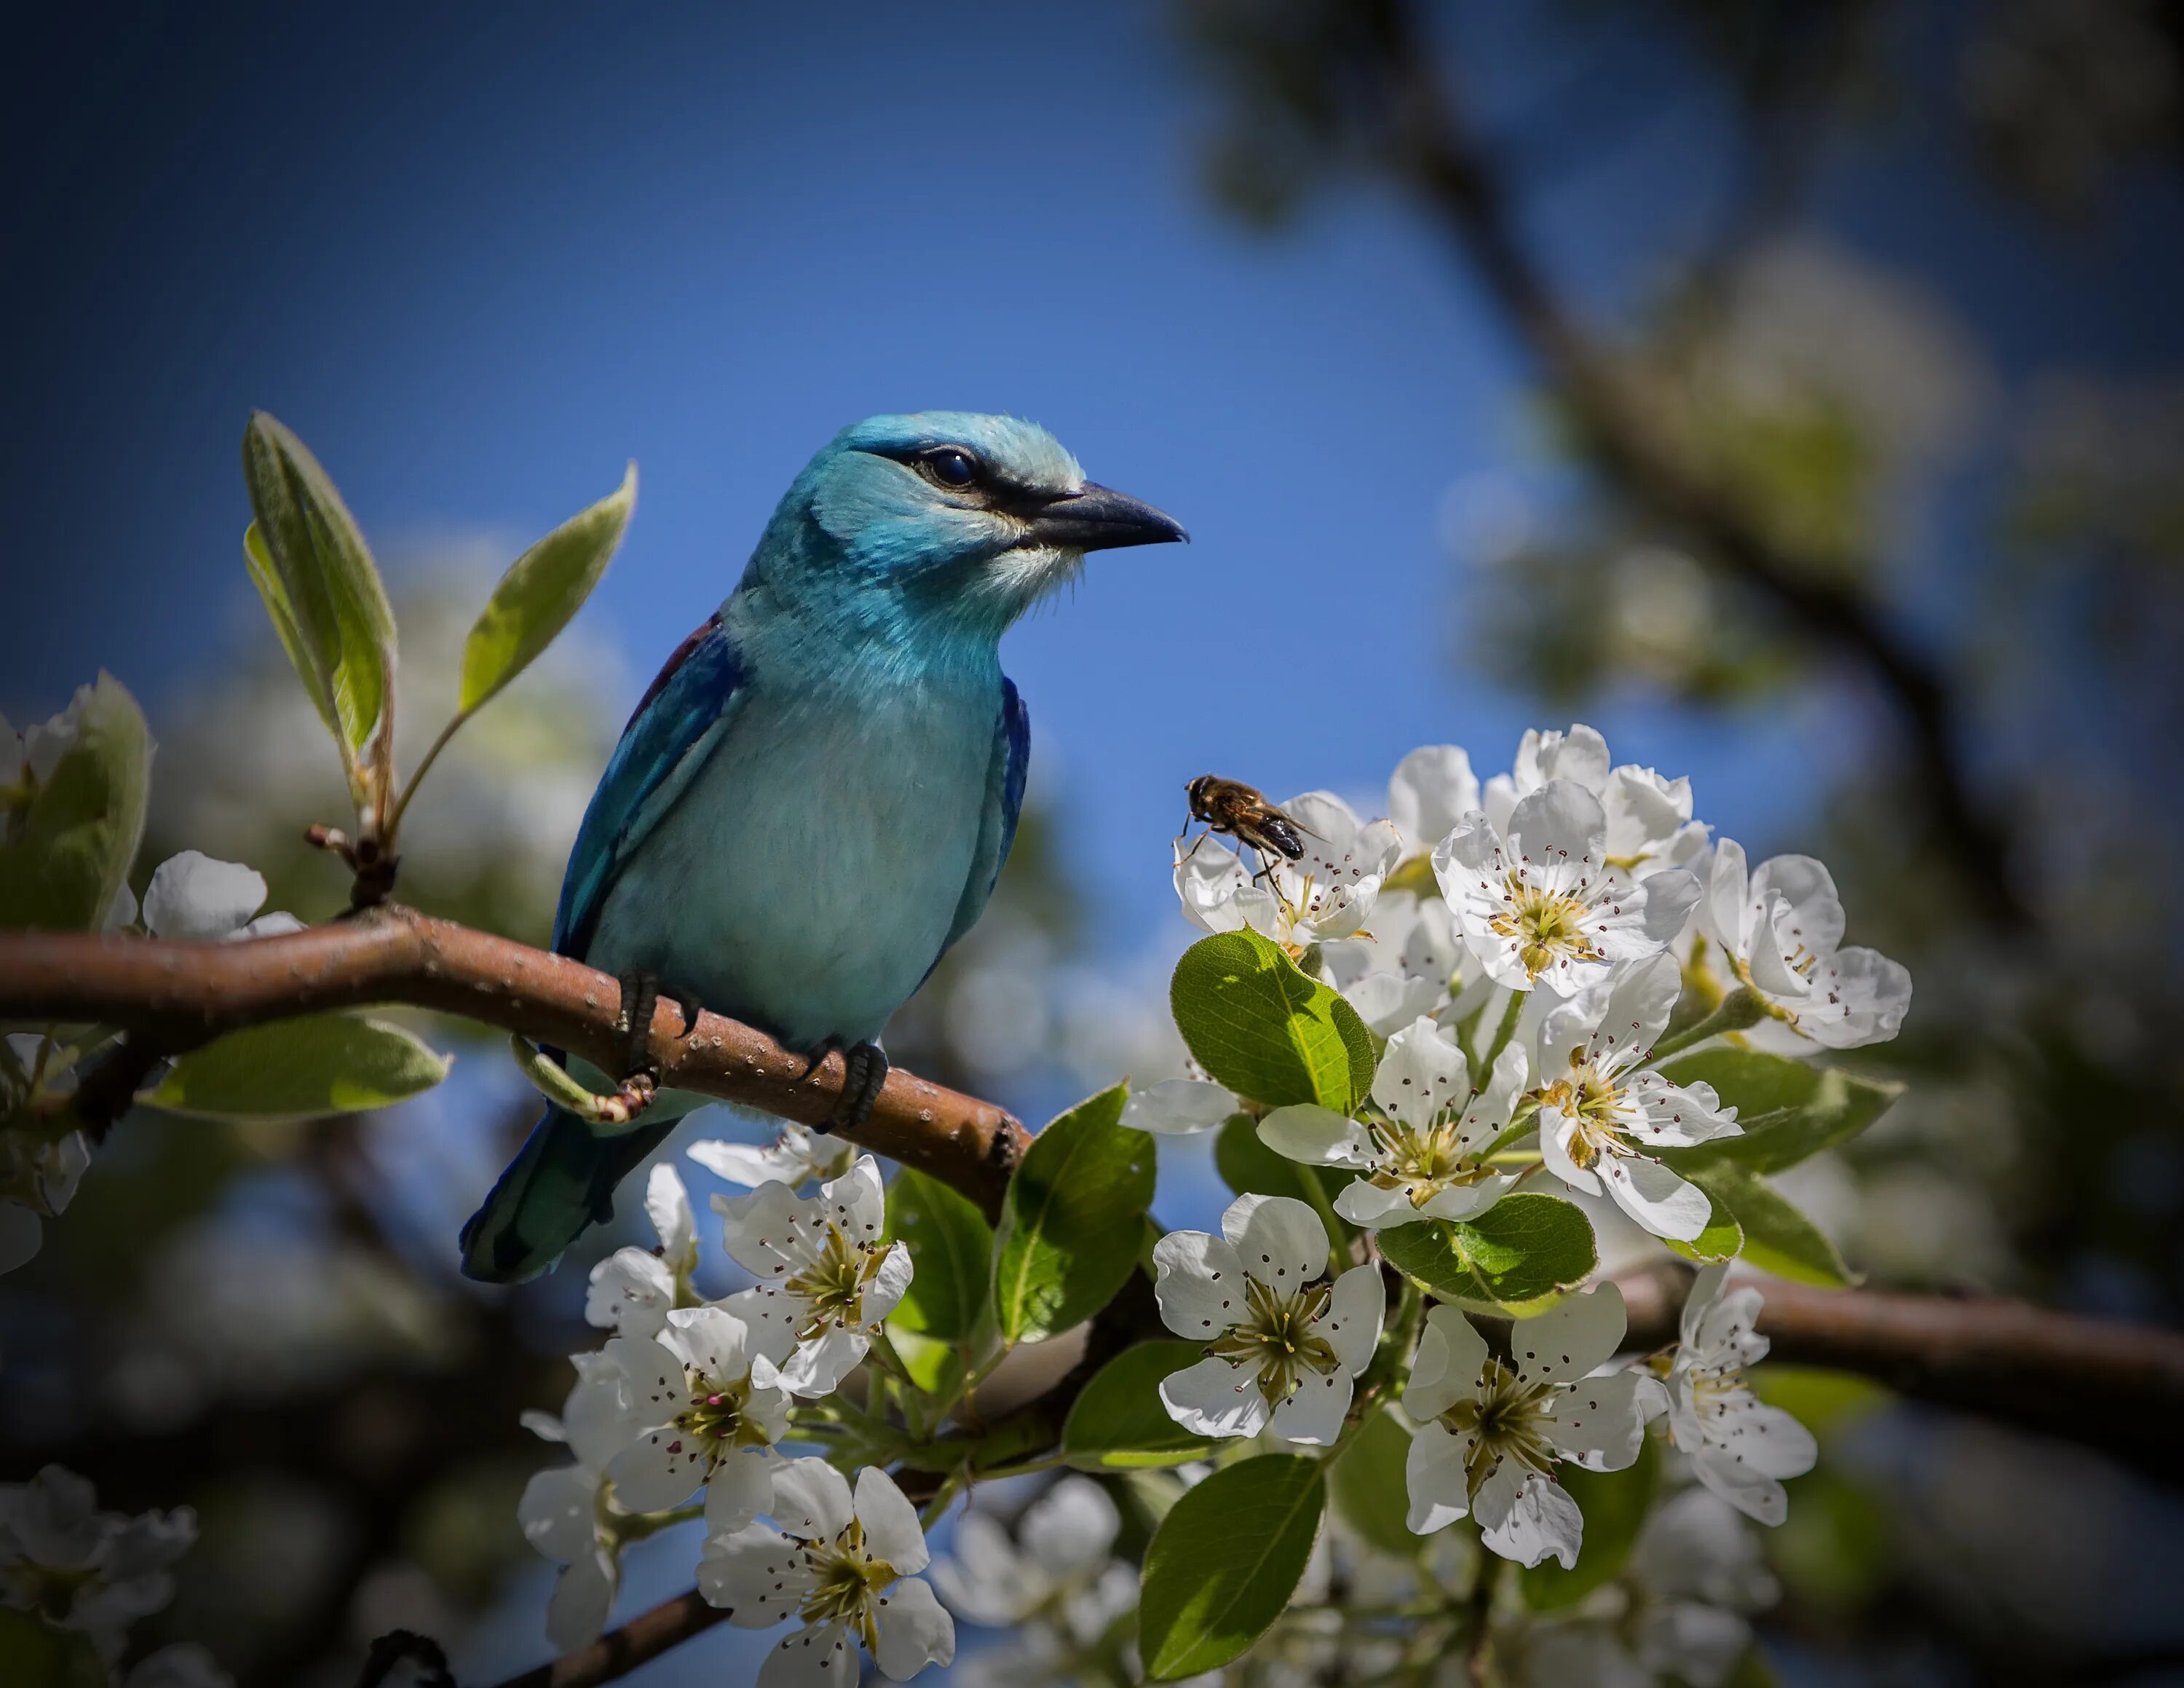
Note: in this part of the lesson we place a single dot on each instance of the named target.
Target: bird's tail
(560, 1182)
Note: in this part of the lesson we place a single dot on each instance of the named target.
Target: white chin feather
(1019, 579)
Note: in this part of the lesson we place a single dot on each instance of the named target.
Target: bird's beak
(1098, 518)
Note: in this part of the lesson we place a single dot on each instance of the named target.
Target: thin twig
(619, 1651)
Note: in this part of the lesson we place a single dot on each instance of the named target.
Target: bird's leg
(817, 1059)
(640, 995)
(864, 1070)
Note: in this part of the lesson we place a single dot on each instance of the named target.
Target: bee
(1230, 805)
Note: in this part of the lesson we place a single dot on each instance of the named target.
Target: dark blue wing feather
(692, 693)
(997, 829)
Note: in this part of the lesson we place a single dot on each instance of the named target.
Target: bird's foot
(641, 993)
(865, 1071)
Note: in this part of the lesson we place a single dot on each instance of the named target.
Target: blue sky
(477, 270)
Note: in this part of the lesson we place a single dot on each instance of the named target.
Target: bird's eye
(950, 467)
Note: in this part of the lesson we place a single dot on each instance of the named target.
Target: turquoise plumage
(813, 800)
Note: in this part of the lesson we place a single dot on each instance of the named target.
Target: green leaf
(1777, 1237)
(330, 595)
(321, 1063)
(1075, 1205)
(1520, 1255)
(1369, 1489)
(1224, 1563)
(1260, 1027)
(542, 589)
(951, 1248)
(1790, 1109)
(283, 613)
(1614, 1504)
(1721, 1240)
(1119, 1422)
(67, 851)
(1248, 1167)
(934, 1365)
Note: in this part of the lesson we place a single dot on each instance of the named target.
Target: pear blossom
(1431, 789)
(38, 1173)
(1282, 1347)
(93, 1571)
(827, 1278)
(1779, 926)
(845, 1566)
(796, 1157)
(1059, 1565)
(194, 896)
(1740, 1448)
(1492, 1431)
(633, 1290)
(1421, 1155)
(1405, 966)
(1538, 901)
(567, 1512)
(1179, 1107)
(1602, 1109)
(699, 1406)
(1649, 818)
(1327, 893)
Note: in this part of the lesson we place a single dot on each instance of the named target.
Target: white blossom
(1538, 901)
(1282, 1347)
(1780, 926)
(1403, 967)
(1431, 789)
(1492, 1431)
(1327, 893)
(180, 1664)
(827, 1278)
(699, 1407)
(1420, 1153)
(1602, 1110)
(97, 1572)
(38, 1173)
(1059, 1567)
(566, 1512)
(1179, 1107)
(846, 1568)
(1740, 1447)
(1649, 818)
(192, 895)
(796, 1156)
(633, 1290)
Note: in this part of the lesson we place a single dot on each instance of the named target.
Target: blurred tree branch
(1374, 64)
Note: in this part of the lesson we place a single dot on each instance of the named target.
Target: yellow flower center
(1593, 1101)
(834, 1282)
(1548, 925)
(1275, 1337)
(1506, 1419)
(1428, 1160)
(846, 1582)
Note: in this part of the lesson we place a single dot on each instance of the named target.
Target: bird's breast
(808, 876)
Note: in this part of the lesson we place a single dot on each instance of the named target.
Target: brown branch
(175, 996)
(1430, 147)
(619, 1651)
(2116, 1387)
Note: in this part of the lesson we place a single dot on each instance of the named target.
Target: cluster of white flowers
(690, 1397)
(190, 895)
(96, 1573)
(1578, 902)
(1574, 898)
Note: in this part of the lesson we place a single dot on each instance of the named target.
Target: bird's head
(945, 515)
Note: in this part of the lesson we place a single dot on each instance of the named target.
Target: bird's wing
(677, 722)
(997, 824)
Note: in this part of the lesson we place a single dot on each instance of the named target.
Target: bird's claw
(864, 1071)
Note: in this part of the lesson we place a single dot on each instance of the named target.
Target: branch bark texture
(171, 997)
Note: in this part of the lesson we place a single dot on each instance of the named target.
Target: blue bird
(814, 797)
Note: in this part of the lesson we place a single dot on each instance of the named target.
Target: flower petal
(630, 1292)
(1199, 1283)
(814, 1656)
(913, 1631)
(892, 1531)
(1422, 1075)
(1571, 1337)
(1355, 1311)
(1178, 1107)
(1215, 1398)
(758, 1573)
(1312, 1415)
(1538, 1521)
(1434, 1479)
(1431, 789)
(811, 1499)
(667, 1204)
(1317, 1136)
(192, 895)
(1451, 1354)
(1279, 1239)
(1597, 1421)
(1662, 1201)
(740, 1488)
